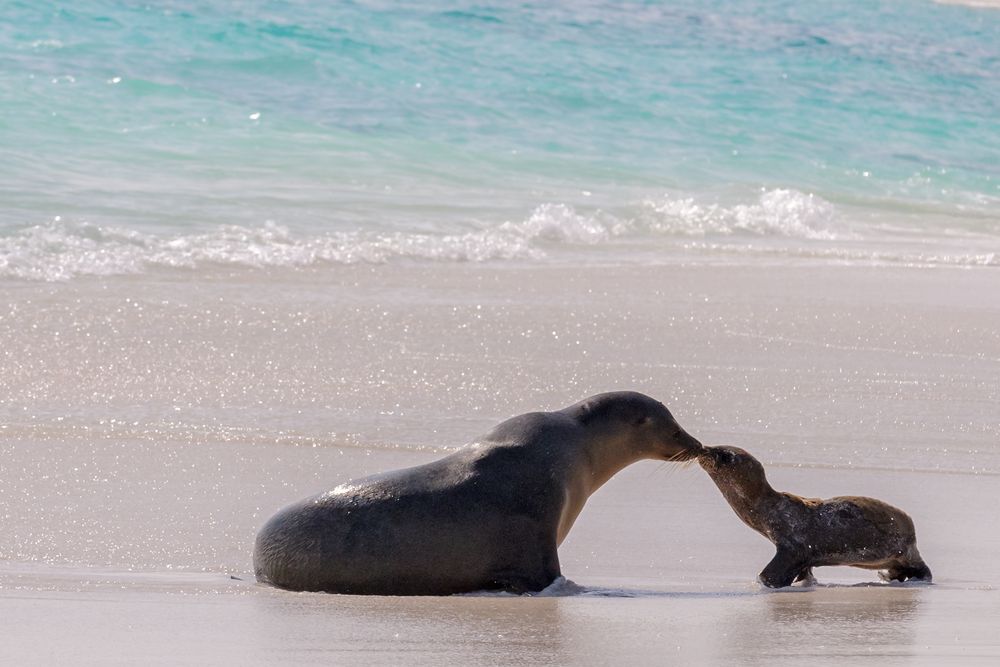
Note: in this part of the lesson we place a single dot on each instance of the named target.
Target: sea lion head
(733, 467)
(641, 423)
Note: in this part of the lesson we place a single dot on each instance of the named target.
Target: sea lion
(809, 532)
(488, 517)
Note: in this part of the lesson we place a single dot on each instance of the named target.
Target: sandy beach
(127, 534)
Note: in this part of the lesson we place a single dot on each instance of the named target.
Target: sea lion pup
(808, 532)
(489, 516)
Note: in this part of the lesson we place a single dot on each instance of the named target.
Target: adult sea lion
(489, 516)
(808, 532)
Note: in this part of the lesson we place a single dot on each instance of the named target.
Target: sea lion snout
(719, 456)
(708, 456)
(691, 447)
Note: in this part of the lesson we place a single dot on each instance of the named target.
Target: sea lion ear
(641, 420)
(584, 412)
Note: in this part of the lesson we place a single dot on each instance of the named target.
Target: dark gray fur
(486, 517)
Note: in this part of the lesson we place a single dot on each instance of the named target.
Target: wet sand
(149, 428)
(662, 569)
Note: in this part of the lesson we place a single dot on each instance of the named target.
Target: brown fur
(809, 532)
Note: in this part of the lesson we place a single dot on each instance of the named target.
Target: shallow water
(838, 626)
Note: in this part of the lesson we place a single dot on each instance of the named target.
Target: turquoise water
(181, 133)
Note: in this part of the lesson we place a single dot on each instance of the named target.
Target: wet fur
(809, 532)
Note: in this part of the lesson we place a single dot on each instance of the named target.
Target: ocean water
(139, 136)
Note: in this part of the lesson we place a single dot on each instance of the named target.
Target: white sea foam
(979, 4)
(776, 213)
(850, 255)
(62, 250)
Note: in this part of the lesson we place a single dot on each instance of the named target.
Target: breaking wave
(777, 213)
(61, 250)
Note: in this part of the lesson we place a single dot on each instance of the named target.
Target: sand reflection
(824, 622)
(427, 630)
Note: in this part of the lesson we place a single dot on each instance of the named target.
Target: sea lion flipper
(919, 572)
(906, 573)
(805, 575)
(783, 569)
(521, 583)
(529, 579)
